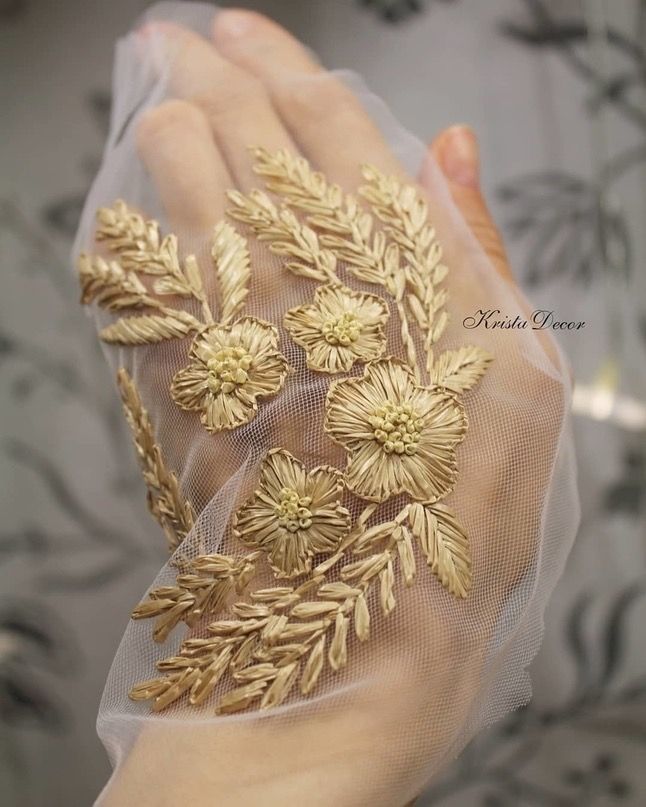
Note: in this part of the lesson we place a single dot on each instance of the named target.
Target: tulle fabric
(435, 670)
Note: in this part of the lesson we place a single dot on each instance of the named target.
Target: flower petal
(189, 387)
(289, 556)
(372, 474)
(225, 411)
(281, 470)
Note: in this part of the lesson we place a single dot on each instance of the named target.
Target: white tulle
(435, 671)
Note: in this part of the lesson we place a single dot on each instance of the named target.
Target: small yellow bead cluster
(397, 428)
(228, 369)
(293, 510)
(342, 330)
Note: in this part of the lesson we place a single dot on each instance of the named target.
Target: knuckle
(239, 90)
(316, 98)
(165, 118)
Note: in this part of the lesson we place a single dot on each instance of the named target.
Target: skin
(254, 83)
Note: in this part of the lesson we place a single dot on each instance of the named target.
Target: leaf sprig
(280, 637)
(165, 502)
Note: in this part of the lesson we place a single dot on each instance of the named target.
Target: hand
(255, 84)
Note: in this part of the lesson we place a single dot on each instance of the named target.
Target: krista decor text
(540, 320)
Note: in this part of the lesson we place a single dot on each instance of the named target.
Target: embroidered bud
(397, 428)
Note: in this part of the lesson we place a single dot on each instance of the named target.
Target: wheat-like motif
(165, 501)
(399, 423)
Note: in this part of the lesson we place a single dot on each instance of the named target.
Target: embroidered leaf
(165, 502)
(361, 618)
(345, 228)
(149, 329)
(287, 235)
(313, 667)
(459, 370)
(444, 544)
(141, 249)
(281, 686)
(338, 655)
(240, 698)
(232, 267)
(110, 286)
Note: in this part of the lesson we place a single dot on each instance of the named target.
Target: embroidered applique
(231, 367)
(340, 328)
(165, 502)
(232, 363)
(400, 423)
(400, 437)
(294, 514)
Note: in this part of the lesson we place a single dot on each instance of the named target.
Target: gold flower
(341, 327)
(400, 437)
(231, 366)
(294, 514)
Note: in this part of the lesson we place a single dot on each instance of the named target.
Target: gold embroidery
(233, 269)
(400, 424)
(339, 329)
(165, 502)
(232, 364)
(400, 437)
(200, 591)
(459, 370)
(294, 514)
(231, 367)
(141, 249)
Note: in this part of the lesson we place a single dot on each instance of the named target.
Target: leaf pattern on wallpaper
(568, 230)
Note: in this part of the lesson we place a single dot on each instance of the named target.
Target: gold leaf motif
(361, 618)
(405, 434)
(233, 269)
(149, 329)
(110, 286)
(165, 502)
(287, 235)
(346, 229)
(241, 698)
(142, 249)
(460, 370)
(338, 655)
(313, 667)
(405, 214)
(445, 545)
(280, 687)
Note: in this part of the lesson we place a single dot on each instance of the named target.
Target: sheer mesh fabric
(437, 668)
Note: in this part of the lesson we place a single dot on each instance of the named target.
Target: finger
(324, 117)
(456, 152)
(175, 143)
(235, 103)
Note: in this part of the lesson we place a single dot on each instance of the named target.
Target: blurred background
(556, 90)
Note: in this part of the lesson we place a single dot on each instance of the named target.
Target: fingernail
(233, 22)
(459, 157)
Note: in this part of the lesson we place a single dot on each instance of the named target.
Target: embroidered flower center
(228, 369)
(293, 510)
(342, 330)
(397, 427)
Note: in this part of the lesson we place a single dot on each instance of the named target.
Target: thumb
(456, 152)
